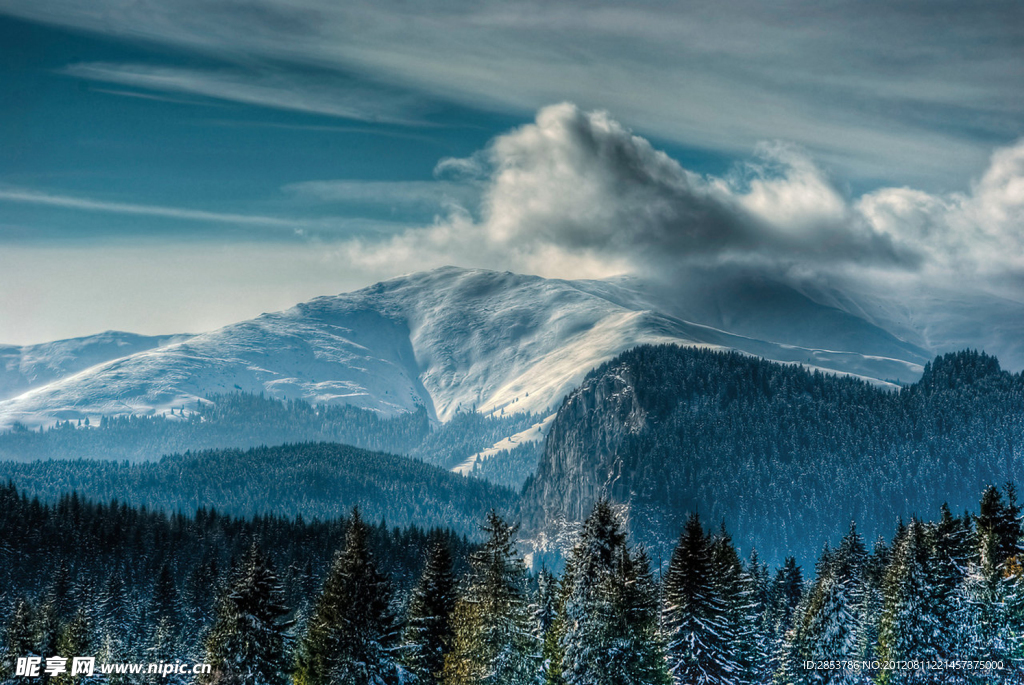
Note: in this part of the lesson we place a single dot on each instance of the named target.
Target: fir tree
(695, 617)
(247, 643)
(76, 639)
(829, 614)
(352, 629)
(428, 623)
(993, 597)
(545, 602)
(55, 610)
(782, 599)
(611, 612)
(908, 623)
(947, 567)
(19, 639)
(493, 642)
(737, 590)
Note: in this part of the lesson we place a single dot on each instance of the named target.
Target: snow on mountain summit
(447, 339)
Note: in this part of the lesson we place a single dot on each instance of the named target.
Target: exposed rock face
(582, 461)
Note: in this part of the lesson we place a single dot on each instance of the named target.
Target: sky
(178, 165)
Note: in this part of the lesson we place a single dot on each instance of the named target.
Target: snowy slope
(31, 366)
(447, 339)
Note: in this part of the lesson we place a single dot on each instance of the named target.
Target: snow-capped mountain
(33, 366)
(447, 339)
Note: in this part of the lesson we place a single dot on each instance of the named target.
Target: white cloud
(261, 87)
(35, 197)
(979, 233)
(576, 194)
(432, 195)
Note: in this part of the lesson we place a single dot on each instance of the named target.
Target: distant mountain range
(456, 339)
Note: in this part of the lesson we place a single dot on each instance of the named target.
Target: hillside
(312, 480)
(785, 457)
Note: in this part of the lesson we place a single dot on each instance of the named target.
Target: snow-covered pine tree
(588, 610)
(493, 642)
(19, 639)
(947, 567)
(871, 600)
(352, 630)
(908, 624)
(991, 606)
(76, 639)
(737, 590)
(696, 627)
(55, 610)
(165, 604)
(642, 653)
(164, 617)
(552, 648)
(247, 644)
(610, 614)
(427, 631)
(829, 618)
(783, 596)
(545, 601)
(112, 609)
(761, 585)
(199, 597)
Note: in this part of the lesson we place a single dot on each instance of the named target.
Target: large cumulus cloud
(576, 194)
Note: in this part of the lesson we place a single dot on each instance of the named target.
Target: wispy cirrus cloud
(326, 95)
(399, 194)
(36, 197)
(882, 90)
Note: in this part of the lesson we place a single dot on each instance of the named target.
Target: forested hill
(229, 420)
(245, 420)
(314, 480)
(784, 456)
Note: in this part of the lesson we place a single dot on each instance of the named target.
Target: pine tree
(19, 639)
(247, 642)
(782, 599)
(640, 654)
(610, 614)
(164, 618)
(545, 602)
(991, 600)
(493, 642)
(829, 615)
(908, 622)
(76, 639)
(55, 610)
(165, 604)
(352, 629)
(947, 567)
(872, 598)
(552, 649)
(737, 590)
(427, 631)
(694, 616)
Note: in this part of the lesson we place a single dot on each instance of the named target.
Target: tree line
(427, 607)
(313, 480)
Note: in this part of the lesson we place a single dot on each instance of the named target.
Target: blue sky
(179, 165)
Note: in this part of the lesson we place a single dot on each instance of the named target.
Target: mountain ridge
(456, 339)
